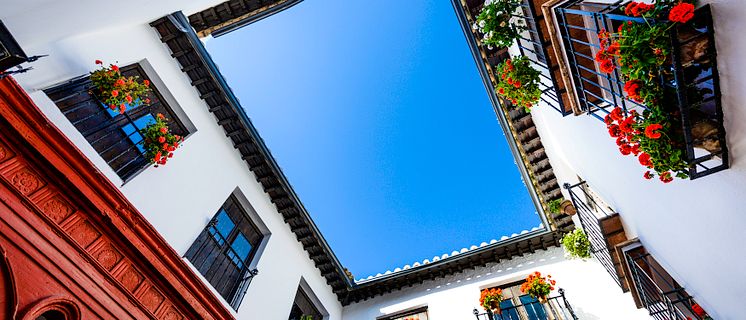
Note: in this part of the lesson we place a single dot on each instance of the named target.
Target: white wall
(694, 228)
(181, 197)
(591, 291)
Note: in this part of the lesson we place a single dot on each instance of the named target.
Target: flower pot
(567, 208)
(497, 311)
(542, 300)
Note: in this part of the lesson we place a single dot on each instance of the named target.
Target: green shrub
(576, 244)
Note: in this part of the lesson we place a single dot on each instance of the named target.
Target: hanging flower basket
(158, 142)
(497, 23)
(117, 91)
(490, 300)
(576, 244)
(675, 116)
(538, 287)
(519, 82)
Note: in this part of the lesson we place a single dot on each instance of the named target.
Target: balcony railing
(535, 48)
(657, 291)
(691, 78)
(556, 308)
(599, 224)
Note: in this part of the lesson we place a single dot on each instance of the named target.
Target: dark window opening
(51, 315)
(224, 249)
(303, 308)
(116, 137)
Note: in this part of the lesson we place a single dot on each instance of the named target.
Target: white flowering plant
(498, 25)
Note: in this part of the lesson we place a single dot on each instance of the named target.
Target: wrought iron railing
(690, 78)
(535, 48)
(589, 213)
(556, 308)
(664, 298)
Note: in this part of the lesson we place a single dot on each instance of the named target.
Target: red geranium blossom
(99, 62)
(517, 83)
(614, 131)
(666, 177)
(651, 131)
(645, 160)
(632, 88)
(501, 91)
(625, 149)
(698, 310)
(616, 114)
(682, 12)
(607, 66)
(114, 67)
(648, 175)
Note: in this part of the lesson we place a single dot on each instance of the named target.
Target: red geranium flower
(648, 175)
(616, 114)
(631, 6)
(651, 131)
(164, 130)
(146, 82)
(128, 98)
(625, 149)
(114, 93)
(607, 66)
(510, 80)
(161, 139)
(626, 125)
(682, 12)
(114, 67)
(613, 49)
(645, 160)
(501, 91)
(614, 131)
(698, 310)
(666, 177)
(517, 83)
(632, 88)
(99, 62)
(608, 120)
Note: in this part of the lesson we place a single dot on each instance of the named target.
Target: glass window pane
(241, 247)
(533, 308)
(223, 227)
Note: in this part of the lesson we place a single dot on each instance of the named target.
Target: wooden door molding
(89, 214)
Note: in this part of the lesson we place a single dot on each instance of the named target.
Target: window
(517, 305)
(303, 308)
(116, 137)
(51, 315)
(416, 314)
(223, 251)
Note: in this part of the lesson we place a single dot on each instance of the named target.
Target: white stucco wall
(181, 197)
(694, 228)
(591, 291)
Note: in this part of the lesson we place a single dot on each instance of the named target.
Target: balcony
(536, 45)
(655, 289)
(603, 228)
(556, 308)
(688, 78)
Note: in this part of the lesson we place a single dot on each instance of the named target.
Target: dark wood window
(303, 306)
(116, 137)
(223, 250)
(415, 314)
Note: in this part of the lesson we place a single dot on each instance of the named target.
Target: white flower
(492, 34)
(487, 2)
(481, 24)
(474, 26)
(490, 47)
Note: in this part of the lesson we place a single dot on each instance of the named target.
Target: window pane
(223, 227)
(241, 247)
(134, 135)
(533, 308)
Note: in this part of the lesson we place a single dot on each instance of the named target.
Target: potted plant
(497, 23)
(557, 206)
(490, 300)
(538, 287)
(519, 82)
(700, 312)
(116, 91)
(159, 144)
(641, 50)
(576, 244)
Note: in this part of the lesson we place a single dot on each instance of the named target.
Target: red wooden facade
(71, 242)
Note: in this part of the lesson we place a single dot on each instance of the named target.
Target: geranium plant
(159, 144)
(537, 286)
(497, 23)
(641, 50)
(117, 91)
(490, 299)
(519, 82)
(576, 244)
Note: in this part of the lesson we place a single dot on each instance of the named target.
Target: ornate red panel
(70, 241)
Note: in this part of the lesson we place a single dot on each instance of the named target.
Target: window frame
(204, 259)
(89, 113)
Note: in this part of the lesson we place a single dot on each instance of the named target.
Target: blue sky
(376, 113)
